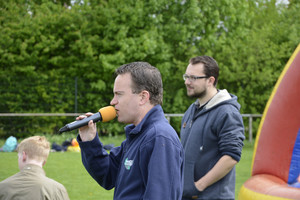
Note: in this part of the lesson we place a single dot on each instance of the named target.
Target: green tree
(46, 45)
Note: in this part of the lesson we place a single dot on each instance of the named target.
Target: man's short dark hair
(211, 67)
(144, 77)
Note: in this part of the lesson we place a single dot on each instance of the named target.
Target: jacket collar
(33, 168)
(153, 115)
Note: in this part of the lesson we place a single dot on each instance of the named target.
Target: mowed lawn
(68, 169)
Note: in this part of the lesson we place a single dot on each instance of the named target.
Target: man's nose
(113, 102)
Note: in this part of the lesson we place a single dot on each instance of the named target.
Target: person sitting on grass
(31, 182)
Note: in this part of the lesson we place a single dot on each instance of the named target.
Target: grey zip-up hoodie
(208, 133)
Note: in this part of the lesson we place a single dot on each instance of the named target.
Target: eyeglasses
(192, 78)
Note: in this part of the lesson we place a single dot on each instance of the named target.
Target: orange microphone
(105, 114)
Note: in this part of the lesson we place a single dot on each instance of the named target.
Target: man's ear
(24, 156)
(211, 80)
(145, 97)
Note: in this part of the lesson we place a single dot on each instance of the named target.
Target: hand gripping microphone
(105, 114)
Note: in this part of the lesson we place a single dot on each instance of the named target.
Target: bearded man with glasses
(212, 134)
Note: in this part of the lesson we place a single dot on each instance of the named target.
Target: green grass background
(67, 168)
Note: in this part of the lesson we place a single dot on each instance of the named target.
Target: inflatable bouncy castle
(276, 157)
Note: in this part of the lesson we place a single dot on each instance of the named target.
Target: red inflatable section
(280, 126)
(276, 139)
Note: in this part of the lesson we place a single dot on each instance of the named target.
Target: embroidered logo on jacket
(128, 163)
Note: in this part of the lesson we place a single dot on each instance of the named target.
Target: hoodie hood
(223, 96)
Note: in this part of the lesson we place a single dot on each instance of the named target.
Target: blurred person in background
(31, 182)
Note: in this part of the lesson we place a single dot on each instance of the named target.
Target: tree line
(46, 44)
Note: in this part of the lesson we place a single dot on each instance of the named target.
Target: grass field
(68, 169)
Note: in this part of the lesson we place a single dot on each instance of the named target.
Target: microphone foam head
(108, 113)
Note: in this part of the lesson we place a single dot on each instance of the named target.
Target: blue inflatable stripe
(295, 162)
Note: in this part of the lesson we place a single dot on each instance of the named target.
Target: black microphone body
(105, 114)
(80, 123)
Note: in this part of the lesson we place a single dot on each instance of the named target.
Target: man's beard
(198, 94)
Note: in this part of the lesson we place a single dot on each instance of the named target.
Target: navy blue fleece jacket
(147, 165)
